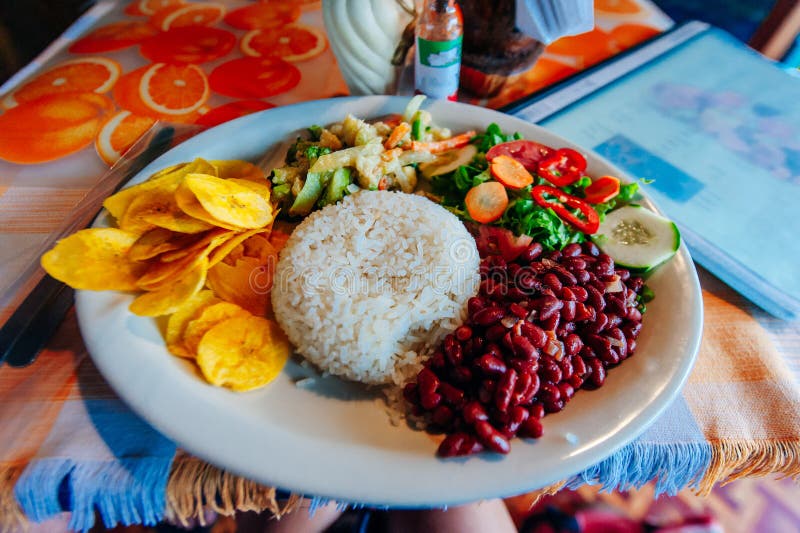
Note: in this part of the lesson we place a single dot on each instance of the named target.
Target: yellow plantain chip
(246, 283)
(169, 298)
(190, 205)
(205, 245)
(158, 208)
(157, 241)
(258, 246)
(243, 353)
(229, 202)
(261, 187)
(176, 325)
(233, 168)
(176, 220)
(168, 178)
(95, 259)
(220, 253)
(208, 317)
(160, 274)
(173, 264)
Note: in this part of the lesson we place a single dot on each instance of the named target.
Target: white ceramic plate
(335, 441)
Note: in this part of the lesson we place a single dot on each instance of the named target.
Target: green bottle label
(439, 53)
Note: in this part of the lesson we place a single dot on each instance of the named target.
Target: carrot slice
(447, 144)
(510, 172)
(602, 190)
(486, 202)
(400, 131)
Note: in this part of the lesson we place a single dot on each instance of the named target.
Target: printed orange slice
(230, 111)
(293, 42)
(87, 74)
(181, 16)
(263, 15)
(618, 7)
(119, 133)
(115, 36)
(149, 7)
(627, 35)
(51, 127)
(305, 5)
(173, 89)
(188, 45)
(254, 77)
(127, 95)
(587, 48)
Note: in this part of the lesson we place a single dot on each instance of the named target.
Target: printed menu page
(717, 129)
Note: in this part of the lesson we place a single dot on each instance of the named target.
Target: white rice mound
(366, 288)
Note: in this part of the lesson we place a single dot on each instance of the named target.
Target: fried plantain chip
(190, 205)
(220, 253)
(157, 241)
(207, 318)
(188, 311)
(263, 187)
(206, 244)
(245, 283)
(229, 202)
(168, 299)
(237, 169)
(95, 259)
(158, 208)
(170, 177)
(243, 353)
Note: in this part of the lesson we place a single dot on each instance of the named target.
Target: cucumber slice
(448, 161)
(636, 238)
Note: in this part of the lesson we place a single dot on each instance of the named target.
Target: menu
(716, 127)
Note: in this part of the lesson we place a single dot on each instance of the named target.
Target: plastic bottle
(437, 61)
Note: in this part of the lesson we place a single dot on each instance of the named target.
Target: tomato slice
(493, 240)
(196, 44)
(230, 111)
(254, 77)
(529, 153)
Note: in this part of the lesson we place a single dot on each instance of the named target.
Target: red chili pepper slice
(563, 167)
(589, 224)
(602, 190)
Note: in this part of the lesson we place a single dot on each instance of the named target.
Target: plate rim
(615, 441)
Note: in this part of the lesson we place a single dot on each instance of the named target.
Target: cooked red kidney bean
(539, 329)
(531, 428)
(491, 438)
(463, 333)
(536, 410)
(530, 253)
(522, 347)
(491, 365)
(488, 316)
(442, 415)
(474, 411)
(505, 389)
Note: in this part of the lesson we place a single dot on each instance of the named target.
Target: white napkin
(547, 20)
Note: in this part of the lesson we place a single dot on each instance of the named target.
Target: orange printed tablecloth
(71, 113)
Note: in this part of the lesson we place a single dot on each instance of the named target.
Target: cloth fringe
(673, 466)
(194, 487)
(11, 516)
(123, 491)
(734, 459)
